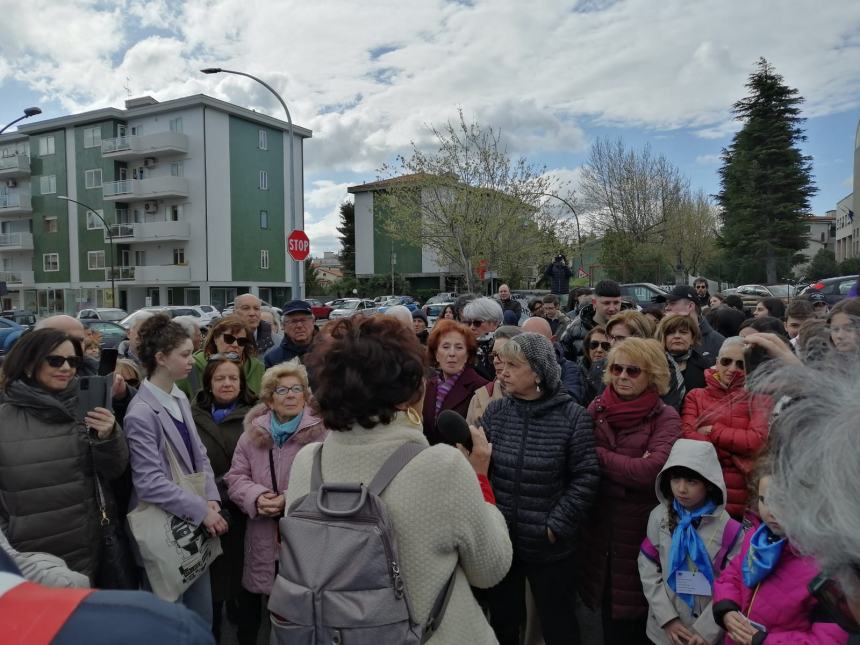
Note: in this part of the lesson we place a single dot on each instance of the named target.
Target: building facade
(847, 229)
(193, 190)
(821, 233)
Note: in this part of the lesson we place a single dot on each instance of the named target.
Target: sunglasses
(617, 339)
(828, 592)
(616, 369)
(283, 390)
(133, 382)
(725, 361)
(473, 323)
(55, 360)
(226, 356)
(605, 345)
(230, 339)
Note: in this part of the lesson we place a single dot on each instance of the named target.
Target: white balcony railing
(120, 273)
(127, 190)
(138, 146)
(12, 278)
(9, 241)
(148, 232)
(119, 143)
(15, 203)
(15, 165)
(146, 274)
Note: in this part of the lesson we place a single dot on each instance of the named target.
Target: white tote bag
(175, 552)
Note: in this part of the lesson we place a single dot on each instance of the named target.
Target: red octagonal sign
(298, 245)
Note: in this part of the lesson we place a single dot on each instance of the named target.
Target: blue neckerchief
(219, 412)
(283, 431)
(762, 557)
(686, 542)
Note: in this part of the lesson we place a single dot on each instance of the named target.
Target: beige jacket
(480, 400)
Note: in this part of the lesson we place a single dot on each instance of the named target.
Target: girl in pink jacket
(762, 596)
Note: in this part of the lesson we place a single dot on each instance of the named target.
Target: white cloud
(708, 160)
(848, 182)
(321, 223)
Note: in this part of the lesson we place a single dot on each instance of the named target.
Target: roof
(148, 108)
(383, 184)
(819, 218)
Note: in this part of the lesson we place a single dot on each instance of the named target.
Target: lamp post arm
(575, 217)
(11, 123)
(110, 237)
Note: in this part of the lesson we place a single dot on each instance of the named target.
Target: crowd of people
(602, 475)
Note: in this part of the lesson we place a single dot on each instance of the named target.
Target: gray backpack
(339, 577)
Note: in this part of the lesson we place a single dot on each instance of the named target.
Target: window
(93, 137)
(263, 140)
(264, 180)
(93, 178)
(49, 225)
(93, 221)
(179, 256)
(176, 124)
(176, 169)
(46, 145)
(48, 184)
(174, 213)
(50, 262)
(95, 260)
(264, 259)
(264, 219)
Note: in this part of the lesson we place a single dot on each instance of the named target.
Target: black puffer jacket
(544, 473)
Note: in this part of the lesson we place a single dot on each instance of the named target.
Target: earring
(537, 387)
(413, 416)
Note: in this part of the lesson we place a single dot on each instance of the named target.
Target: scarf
(763, 556)
(620, 414)
(444, 388)
(54, 407)
(681, 357)
(221, 412)
(283, 431)
(687, 542)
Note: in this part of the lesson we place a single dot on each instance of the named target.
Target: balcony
(131, 190)
(149, 274)
(17, 278)
(15, 205)
(16, 242)
(148, 232)
(14, 166)
(145, 145)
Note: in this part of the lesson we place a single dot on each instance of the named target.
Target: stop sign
(298, 245)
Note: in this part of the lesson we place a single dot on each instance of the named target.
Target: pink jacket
(250, 476)
(783, 604)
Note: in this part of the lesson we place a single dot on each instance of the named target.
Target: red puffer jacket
(619, 519)
(739, 428)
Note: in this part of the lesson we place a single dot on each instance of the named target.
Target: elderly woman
(368, 380)
(451, 349)
(492, 391)
(679, 336)
(545, 476)
(724, 413)
(634, 433)
(218, 412)
(51, 458)
(274, 432)
(483, 316)
(228, 336)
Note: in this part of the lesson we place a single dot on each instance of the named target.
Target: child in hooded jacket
(763, 595)
(690, 538)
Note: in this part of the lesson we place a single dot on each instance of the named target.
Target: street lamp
(110, 237)
(294, 285)
(575, 216)
(28, 112)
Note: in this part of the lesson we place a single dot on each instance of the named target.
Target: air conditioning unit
(11, 183)
(149, 162)
(150, 207)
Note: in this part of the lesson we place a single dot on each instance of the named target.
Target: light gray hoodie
(664, 605)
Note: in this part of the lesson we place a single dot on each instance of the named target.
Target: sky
(370, 78)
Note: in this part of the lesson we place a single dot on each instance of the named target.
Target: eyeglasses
(55, 360)
(828, 592)
(473, 323)
(226, 356)
(295, 321)
(283, 390)
(230, 339)
(132, 381)
(725, 361)
(602, 344)
(616, 338)
(701, 286)
(617, 369)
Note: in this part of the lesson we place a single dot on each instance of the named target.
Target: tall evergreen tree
(765, 181)
(347, 238)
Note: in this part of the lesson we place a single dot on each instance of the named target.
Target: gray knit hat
(540, 354)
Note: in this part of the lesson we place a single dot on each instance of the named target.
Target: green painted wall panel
(49, 205)
(408, 256)
(247, 200)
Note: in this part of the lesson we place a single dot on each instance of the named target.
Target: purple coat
(147, 425)
(250, 476)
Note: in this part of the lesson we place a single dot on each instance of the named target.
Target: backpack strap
(437, 613)
(730, 536)
(393, 465)
(316, 470)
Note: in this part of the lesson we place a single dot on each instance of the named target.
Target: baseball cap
(679, 292)
(816, 298)
(297, 306)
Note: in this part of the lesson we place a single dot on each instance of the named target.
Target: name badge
(695, 584)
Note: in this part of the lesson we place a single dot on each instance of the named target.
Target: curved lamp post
(575, 216)
(28, 112)
(294, 274)
(110, 237)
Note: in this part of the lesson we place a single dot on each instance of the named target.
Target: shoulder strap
(393, 465)
(316, 470)
(648, 549)
(437, 613)
(730, 536)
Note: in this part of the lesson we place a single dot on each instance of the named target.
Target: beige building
(847, 229)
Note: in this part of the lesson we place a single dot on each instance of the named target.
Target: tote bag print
(193, 547)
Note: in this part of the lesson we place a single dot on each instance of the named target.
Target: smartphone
(93, 392)
(107, 360)
(753, 357)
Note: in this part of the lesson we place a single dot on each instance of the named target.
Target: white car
(353, 307)
(102, 313)
(204, 318)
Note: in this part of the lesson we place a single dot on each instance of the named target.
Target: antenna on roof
(127, 87)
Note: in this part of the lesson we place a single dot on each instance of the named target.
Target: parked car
(643, 293)
(7, 328)
(173, 311)
(833, 289)
(337, 303)
(449, 296)
(112, 333)
(23, 318)
(210, 314)
(353, 307)
(102, 313)
(318, 309)
(406, 301)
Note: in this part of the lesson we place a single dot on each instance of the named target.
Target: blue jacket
(286, 351)
(571, 376)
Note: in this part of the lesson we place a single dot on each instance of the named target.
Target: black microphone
(454, 429)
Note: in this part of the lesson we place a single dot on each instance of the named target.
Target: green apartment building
(194, 192)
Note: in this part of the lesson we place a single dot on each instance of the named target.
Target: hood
(700, 456)
(256, 426)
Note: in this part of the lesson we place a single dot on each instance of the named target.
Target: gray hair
(507, 332)
(401, 313)
(189, 324)
(730, 343)
(815, 489)
(140, 317)
(483, 309)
